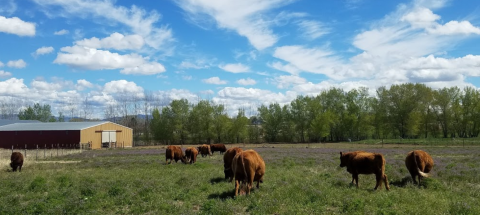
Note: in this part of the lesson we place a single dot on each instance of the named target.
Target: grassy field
(298, 180)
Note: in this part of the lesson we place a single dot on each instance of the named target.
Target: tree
(239, 126)
(442, 106)
(37, 112)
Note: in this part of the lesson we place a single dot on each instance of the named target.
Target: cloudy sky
(238, 53)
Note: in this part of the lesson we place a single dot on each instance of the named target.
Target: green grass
(297, 181)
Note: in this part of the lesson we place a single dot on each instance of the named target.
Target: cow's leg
(379, 179)
(237, 185)
(20, 168)
(14, 168)
(355, 178)
(385, 180)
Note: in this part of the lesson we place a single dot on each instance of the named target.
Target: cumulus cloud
(214, 80)
(455, 27)
(122, 87)
(17, 64)
(284, 81)
(94, 59)
(114, 41)
(43, 51)
(4, 74)
(61, 32)
(235, 68)
(247, 17)
(247, 81)
(140, 21)
(144, 69)
(16, 26)
(83, 84)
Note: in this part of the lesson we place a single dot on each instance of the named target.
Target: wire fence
(40, 153)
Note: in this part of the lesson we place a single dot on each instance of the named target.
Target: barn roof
(51, 126)
(8, 121)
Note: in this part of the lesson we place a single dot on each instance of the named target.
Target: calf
(218, 148)
(227, 162)
(360, 162)
(191, 154)
(248, 166)
(418, 163)
(205, 150)
(16, 161)
(174, 153)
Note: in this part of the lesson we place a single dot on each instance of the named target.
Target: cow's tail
(244, 170)
(416, 165)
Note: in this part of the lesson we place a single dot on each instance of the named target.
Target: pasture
(298, 180)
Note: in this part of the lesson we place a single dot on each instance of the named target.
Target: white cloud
(175, 94)
(284, 67)
(1, 64)
(8, 7)
(234, 68)
(122, 87)
(43, 86)
(421, 17)
(114, 41)
(313, 60)
(284, 81)
(144, 69)
(214, 80)
(17, 63)
(455, 27)
(16, 26)
(312, 29)
(198, 64)
(43, 50)
(13, 87)
(4, 74)
(61, 32)
(187, 77)
(246, 17)
(247, 81)
(93, 59)
(83, 84)
(141, 22)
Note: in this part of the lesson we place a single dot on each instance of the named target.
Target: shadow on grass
(217, 180)
(222, 196)
(407, 180)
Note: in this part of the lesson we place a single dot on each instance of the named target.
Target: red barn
(93, 135)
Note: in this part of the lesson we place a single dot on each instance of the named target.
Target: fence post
(25, 150)
(44, 151)
(36, 154)
(57, 149)
(12, 149)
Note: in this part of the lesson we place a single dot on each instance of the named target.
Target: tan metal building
(92, 135)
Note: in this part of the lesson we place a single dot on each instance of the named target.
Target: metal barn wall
(30, 139)
(94, 135)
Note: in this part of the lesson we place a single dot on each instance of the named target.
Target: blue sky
(238, 53)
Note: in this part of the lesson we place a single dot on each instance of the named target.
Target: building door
(109, 139)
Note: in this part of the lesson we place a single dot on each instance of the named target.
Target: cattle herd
(247, 167)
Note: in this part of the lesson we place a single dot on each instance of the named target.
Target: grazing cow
(16, 161)
(205, 150)
(360, 162)
(191, 154)
(218, 148)
(418, 163)
(174, 153)
(248, 167)
(227, 162)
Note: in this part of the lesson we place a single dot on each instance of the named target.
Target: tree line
(409, 110)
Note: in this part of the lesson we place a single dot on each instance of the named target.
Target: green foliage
(37, 112)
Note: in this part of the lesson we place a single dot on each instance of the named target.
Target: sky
(241, 54)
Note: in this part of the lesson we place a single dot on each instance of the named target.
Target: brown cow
(16, 161)
(205, 150)
(191, 154)
(174, 153)
(227, 162)
(360, 162)
(248, 166)
(219, 147)
(418, 163)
